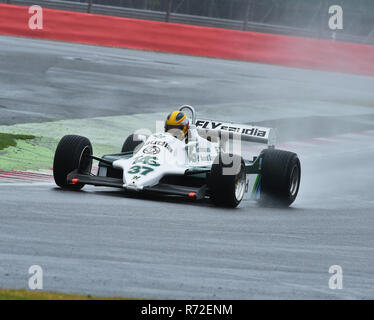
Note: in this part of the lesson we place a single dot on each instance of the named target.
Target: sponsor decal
(143, 170)
(159, 136)
(149, 160)
(151, 150)
(250, 131)
(160, 143)
(143, 165)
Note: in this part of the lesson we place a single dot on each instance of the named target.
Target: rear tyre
(280, 178)
(71, 154)
(132, 143)
(227, 188)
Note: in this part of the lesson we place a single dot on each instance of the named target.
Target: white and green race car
(208, 164)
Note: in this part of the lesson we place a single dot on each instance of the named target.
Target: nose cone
(144, 171)
(160, 155)
(132, 182)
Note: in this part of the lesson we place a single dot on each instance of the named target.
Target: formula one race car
(200, 167)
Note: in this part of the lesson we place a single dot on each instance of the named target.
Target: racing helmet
(177, 124)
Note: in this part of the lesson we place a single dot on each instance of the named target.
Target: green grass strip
(10, 140)
(22, 294)
(107, 135)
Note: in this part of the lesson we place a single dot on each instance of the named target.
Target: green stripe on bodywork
(256, 184)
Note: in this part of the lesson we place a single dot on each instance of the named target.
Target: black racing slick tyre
(71, 154)
(280, 178)
(227, 180)
(131, 143)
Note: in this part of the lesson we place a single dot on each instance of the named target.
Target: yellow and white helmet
(177, 124)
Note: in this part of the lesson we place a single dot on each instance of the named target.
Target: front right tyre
(133, 143)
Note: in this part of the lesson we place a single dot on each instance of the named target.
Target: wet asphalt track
(99, 242)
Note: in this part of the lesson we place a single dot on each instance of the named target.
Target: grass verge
(22, 294)
(10, 140)
(31, 146)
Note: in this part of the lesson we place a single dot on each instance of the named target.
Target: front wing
(161, 188)
(196, 192)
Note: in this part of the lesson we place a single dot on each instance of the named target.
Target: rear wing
(236, 131)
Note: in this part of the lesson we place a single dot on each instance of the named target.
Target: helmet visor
(176, 131)
(169, 127)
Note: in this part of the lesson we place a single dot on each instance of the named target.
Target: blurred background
(292, 17)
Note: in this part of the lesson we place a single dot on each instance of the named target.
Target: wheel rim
(84, 161)
(295, 178)
(240, 184)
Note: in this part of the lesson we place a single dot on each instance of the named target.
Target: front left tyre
(72, 153)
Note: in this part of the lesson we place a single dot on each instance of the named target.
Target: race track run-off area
(100, 242)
